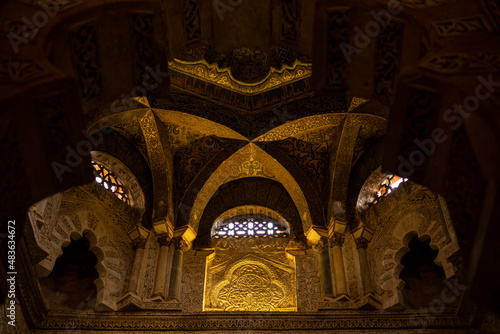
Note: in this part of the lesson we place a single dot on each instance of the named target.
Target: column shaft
(325, 274)
(174, 290)
(338, 270)
(136, 270)
(161, 270)
(365, 270)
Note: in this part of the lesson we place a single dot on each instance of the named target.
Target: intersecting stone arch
(231, 169)
(85, 224)
(201, 124)
(297, 127)
(409, 227)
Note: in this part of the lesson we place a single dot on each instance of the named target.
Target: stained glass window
(108, 180)
(249, 227)
(390, 183)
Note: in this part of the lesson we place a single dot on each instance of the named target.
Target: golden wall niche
(250, 275)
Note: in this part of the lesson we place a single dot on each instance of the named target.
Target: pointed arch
(240, 165)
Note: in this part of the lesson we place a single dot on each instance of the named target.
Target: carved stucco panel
(242, 280)
(308, 282)
(352, 268)
(148, 268)
(193, 277)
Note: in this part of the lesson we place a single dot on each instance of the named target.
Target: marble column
(174, 290)
(161, 267)
(139, 244)
(338, 265)
(361, 244)
(324, 268)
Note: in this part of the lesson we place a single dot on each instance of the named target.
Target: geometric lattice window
(388, 185)
(108, 180)
(251, 227)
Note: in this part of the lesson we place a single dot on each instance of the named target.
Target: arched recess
(411, 225)
(249, 191)
(249, 161)
(110, 261)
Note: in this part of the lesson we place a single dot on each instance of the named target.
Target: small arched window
(251, 227)
(108, 180)
(389, 183)
(250, 221)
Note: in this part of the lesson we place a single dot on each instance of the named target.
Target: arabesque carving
(476, 24)
(87, 59)
(251, 281)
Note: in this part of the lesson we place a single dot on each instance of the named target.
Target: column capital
(337, 226)
(138, 235)
(321, 244)
(186, 233)
(361, 243)
(363, 234)
(163, 226)
(180, 243)
(163, 239)
(337, 239)
(139, 243)
(315, 233)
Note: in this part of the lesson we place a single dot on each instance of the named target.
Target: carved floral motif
(142, 34)
(338, 31)
(250, 281)
(19, 70)
(461, 26)
(289, 20)
(388, 59)
(87, 59)
(192, 20)
(463, 63)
